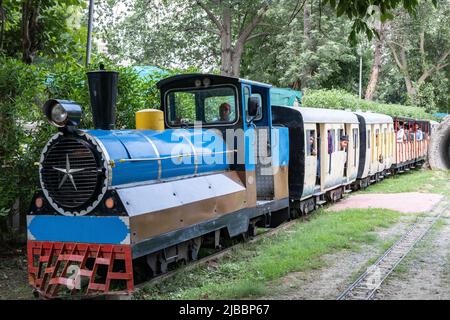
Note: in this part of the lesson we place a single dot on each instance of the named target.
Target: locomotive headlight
(58, 114)
(62, 113)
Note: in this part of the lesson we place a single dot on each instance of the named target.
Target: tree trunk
(376, 66)
(231, 56)
(410, 90)
(307, 34)
(236, 60)
(30, 13)
(2, 21)
(306, 20)
(226, 51)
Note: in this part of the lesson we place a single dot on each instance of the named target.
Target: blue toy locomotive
(218, 160)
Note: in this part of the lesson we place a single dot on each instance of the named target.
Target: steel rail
(358, 284)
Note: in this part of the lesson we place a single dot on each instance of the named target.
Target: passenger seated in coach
(401, 136)
(344, 143)
(312, 148)
(419, 132)
(411, 135)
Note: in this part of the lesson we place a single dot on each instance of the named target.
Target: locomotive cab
(260, 150)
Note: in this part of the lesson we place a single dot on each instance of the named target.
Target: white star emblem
(68, 173)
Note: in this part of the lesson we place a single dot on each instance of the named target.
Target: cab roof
(188, 81)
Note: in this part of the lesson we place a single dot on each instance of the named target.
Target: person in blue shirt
(419, 133)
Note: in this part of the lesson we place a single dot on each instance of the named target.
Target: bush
(24, 130)
(340, 99)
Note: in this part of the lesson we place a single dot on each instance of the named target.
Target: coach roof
(319, 115)
(371, 117)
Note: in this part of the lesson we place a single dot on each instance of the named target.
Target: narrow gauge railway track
(366, 286)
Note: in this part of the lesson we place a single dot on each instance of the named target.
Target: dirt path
(425, 273)
(407, 202)
(13, 275)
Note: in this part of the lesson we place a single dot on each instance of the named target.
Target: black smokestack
(103, 93)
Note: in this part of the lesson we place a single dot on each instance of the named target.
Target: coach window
(331, 146)
(311, 143)
(331, 141)
(355, 145)
(377, 136)
(368, 139)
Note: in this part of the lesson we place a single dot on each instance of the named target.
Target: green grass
(429, 181)
(247, 271)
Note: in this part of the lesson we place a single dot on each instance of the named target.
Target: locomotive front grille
(72, 174)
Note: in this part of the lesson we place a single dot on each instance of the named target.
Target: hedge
(340, 99)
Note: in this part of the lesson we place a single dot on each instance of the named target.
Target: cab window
(207, 105)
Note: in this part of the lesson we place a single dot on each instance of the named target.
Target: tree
(310, 51)
(362, 12)
(420, 46)
(2, 21)
(32, 28)
(376, 65)
(231, 54)
(210, 33)
(192, 29)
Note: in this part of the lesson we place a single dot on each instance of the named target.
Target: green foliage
(422, 44)
(59, 33)
(361, 12)
(24, 129)
(425, 98)
(340, 99)
(21, 91)
(426, 181)
(315, 55)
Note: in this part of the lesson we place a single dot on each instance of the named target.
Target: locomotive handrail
(177, 156)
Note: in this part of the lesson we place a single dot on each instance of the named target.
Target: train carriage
(377, 147)
(411, 142)
(319, 166)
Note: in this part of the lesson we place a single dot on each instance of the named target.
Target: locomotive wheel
(194, 248)
(252, 229)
